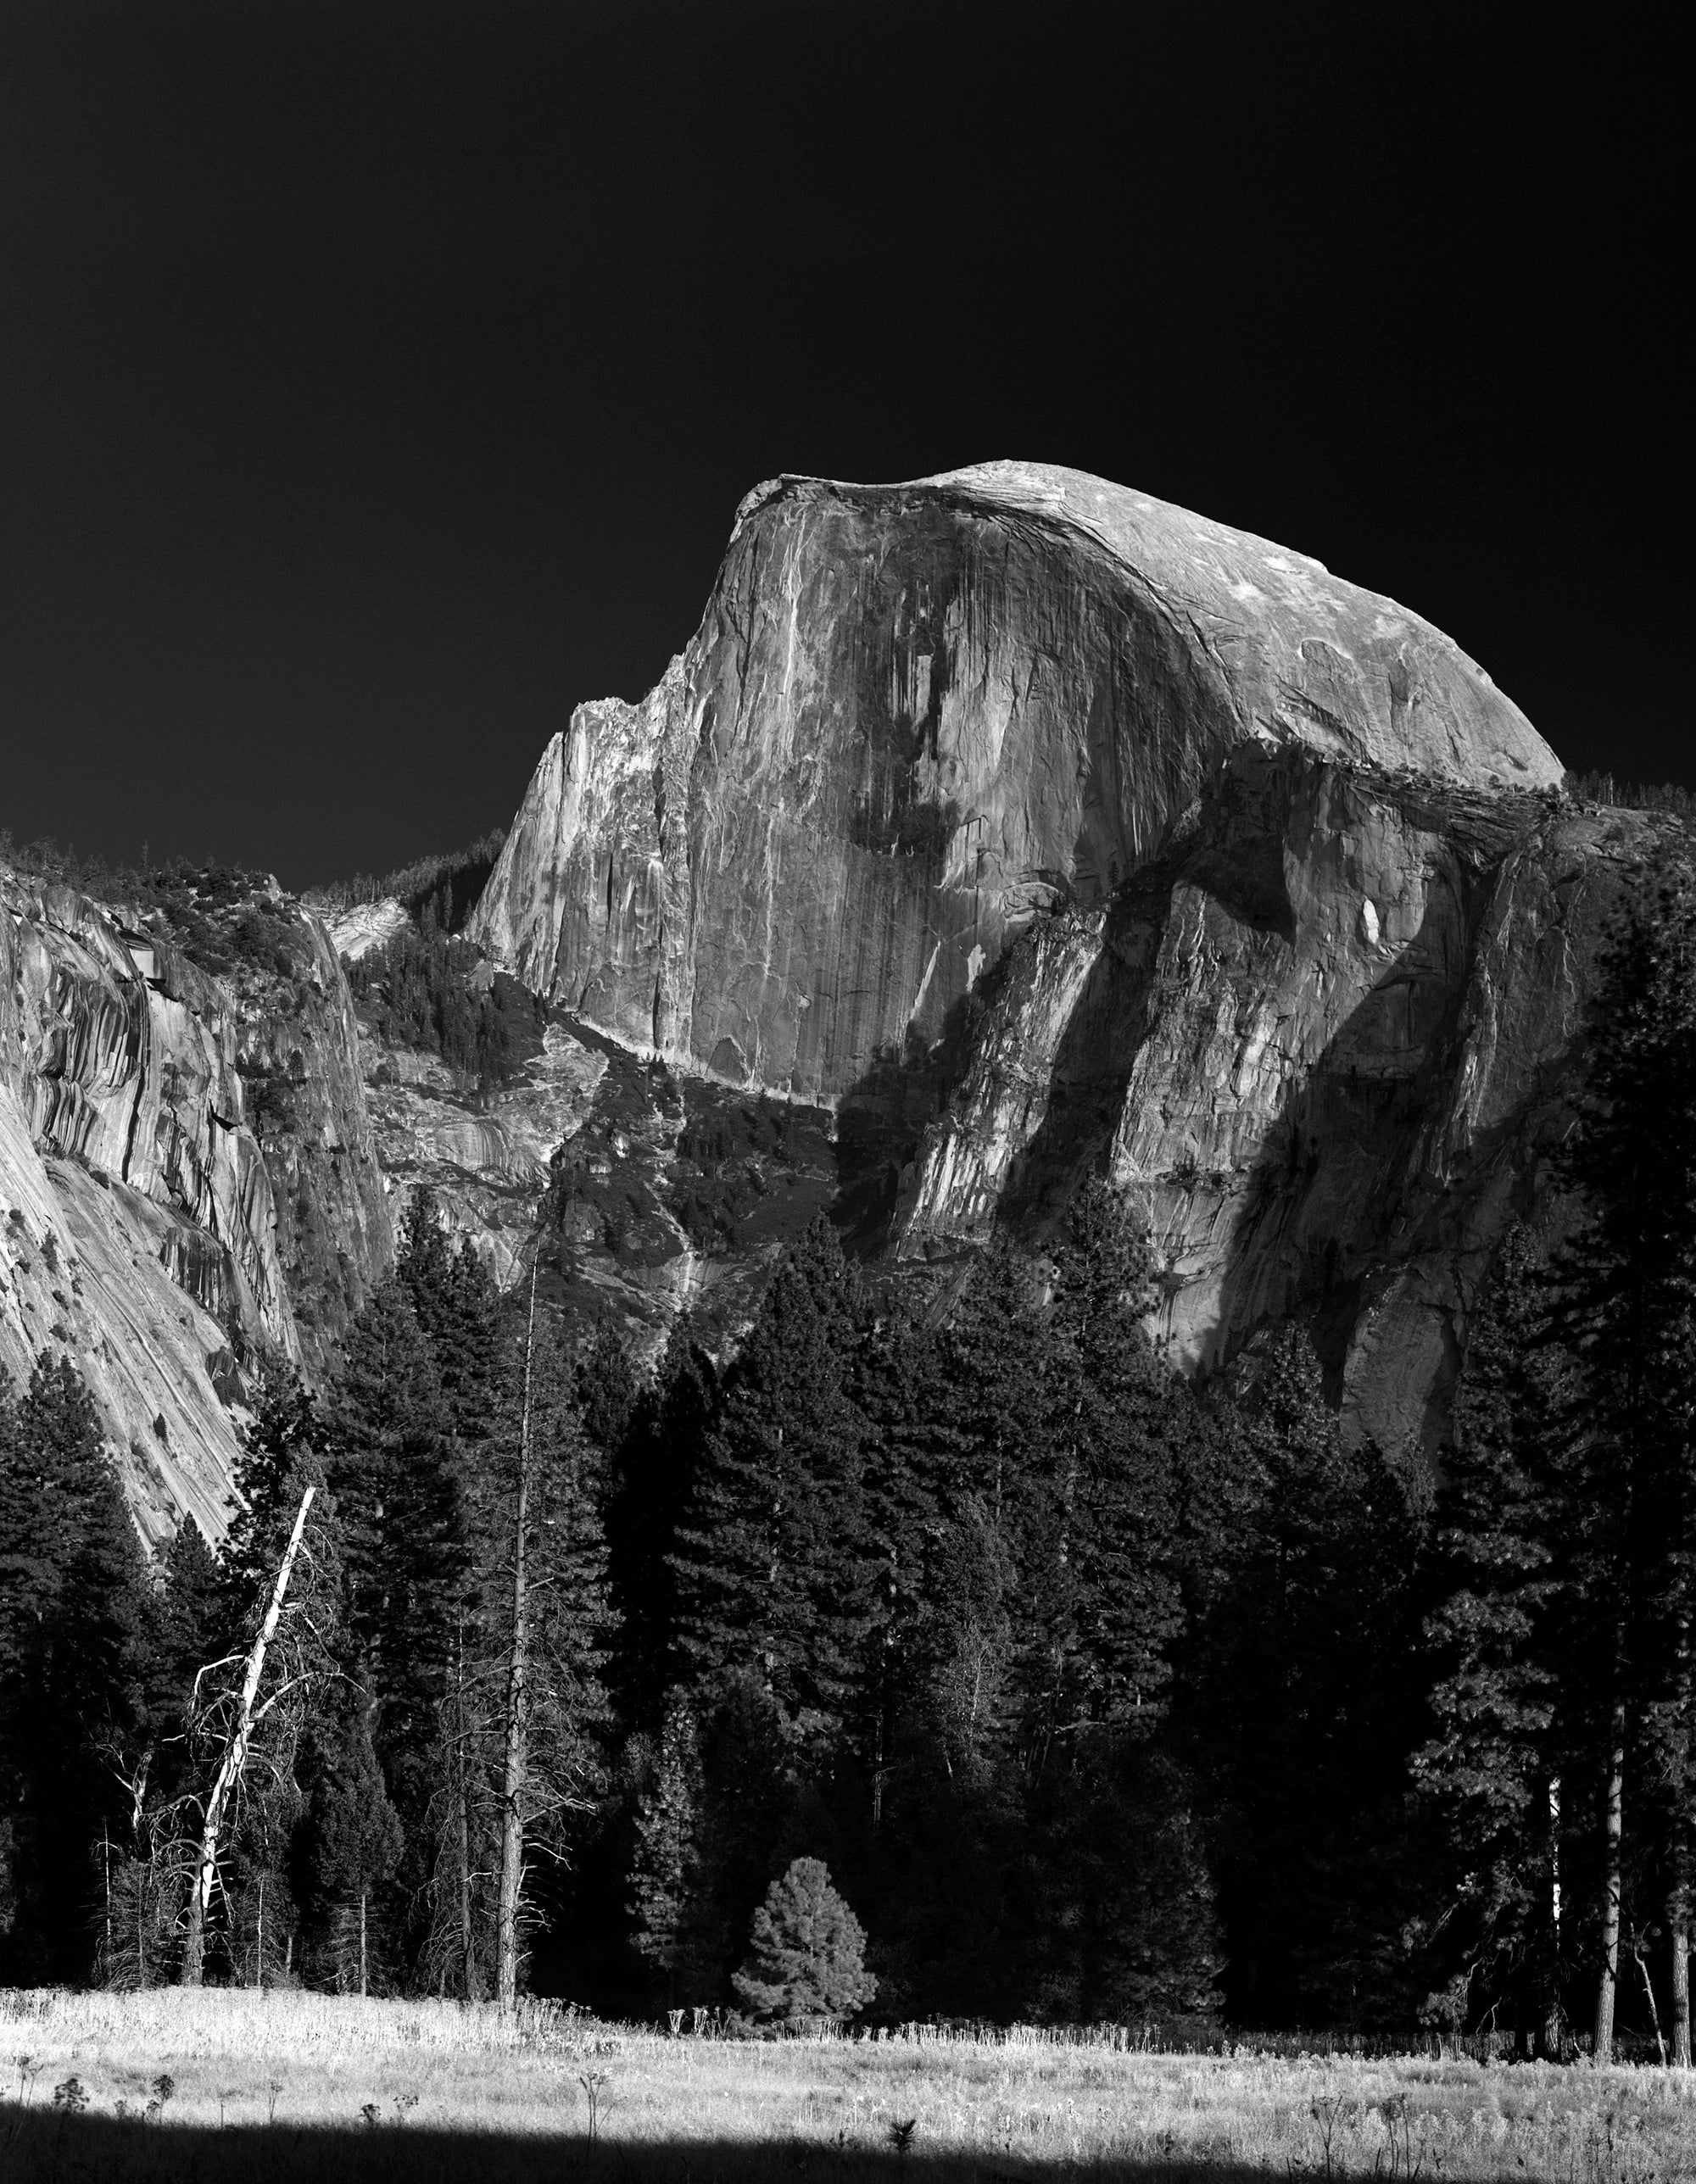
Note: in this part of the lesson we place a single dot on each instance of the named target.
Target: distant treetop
(449, 884)
(1632, 795)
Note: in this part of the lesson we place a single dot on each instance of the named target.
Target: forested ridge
(1100, 1693)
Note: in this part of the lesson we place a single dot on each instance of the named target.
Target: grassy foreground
(227, 2084)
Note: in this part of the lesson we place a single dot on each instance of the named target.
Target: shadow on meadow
(61, 2149)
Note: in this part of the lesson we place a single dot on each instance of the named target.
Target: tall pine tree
(74, 1623)
(1489, 1773)
(1629, 1282)
(775, 1566)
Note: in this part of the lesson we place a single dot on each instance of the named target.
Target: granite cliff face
(992, 831)
(1324, 1042)
(914, 719)
(1040, 829)
(650, 1191)
(187, 1173)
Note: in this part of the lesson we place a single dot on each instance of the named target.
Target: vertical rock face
(1042, 829)
(1325, 1043)
(1014, 827)
(186, 1176)
(296, 1041)
(915, 718)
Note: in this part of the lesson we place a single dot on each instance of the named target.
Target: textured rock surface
(486, 1157)
(367, 926)
(991, 831)
(1324, 1041)
(186, 1175)
(1039, 828)
(653, 1194)
(914, 719)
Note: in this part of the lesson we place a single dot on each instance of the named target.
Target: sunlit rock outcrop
(914, 719)
(186, 1175)
(1042, 829)
(353, 932)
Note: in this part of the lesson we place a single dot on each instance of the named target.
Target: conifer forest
(1055, 1685)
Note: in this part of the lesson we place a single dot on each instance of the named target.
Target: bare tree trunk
(1611, 1831)
(235, 1758)
(364, 1987)
(515, 1781)
(467, 1924)
(1649, 1990)
(1678, 1896)
(1552, 2027)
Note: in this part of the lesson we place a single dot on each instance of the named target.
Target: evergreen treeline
(336, 1751)
(1094, 1692)
(421, 991)
(1560, 1773)
(972, 1614)
(449, 884)
(1601, 788)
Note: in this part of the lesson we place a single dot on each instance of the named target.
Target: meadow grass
(290, 2084)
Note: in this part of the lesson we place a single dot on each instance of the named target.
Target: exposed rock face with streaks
(1324, 1042)
(992, 831)
(186, 1176)
(1042, 829)
(651, 1193)
(914, 719)
(486, 1156)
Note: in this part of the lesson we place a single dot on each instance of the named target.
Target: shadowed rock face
(647, 1193)
(1041, 829)
(1325, 1043)
(187, 1178)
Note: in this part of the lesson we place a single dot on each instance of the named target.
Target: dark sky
(378, 383)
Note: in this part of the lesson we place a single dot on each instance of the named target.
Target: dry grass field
(225, 2084)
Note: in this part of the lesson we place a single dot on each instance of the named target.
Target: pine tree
(356, 1848)
(1490, 1768)
(606, 1392)
(775, 1567)
(744, 1790)
(996, 1470)
(523, 1715)
(73, 1631)
(1123, 1418)
(660, 1452)
(1630, 1280)
(457, 1307)
(897, 1388)
(1118, 1919)
(285, 1429)
(664, 1874)
(193, 1591)
(390, 1465)
(1301, 1711)
(808, 1951)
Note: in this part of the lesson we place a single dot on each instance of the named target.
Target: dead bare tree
(244, 1718)
(553, 1698)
